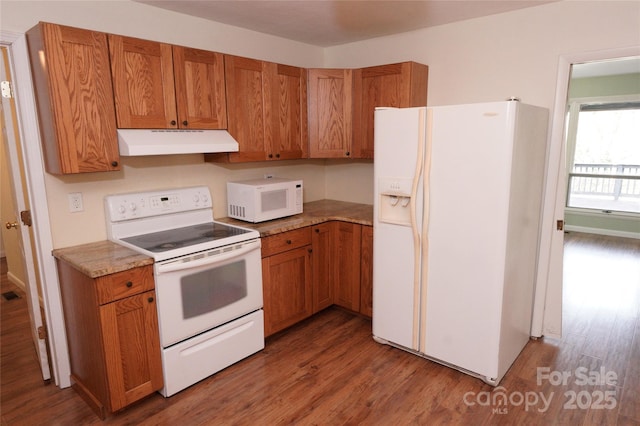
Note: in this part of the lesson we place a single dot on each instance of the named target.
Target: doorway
(17, 235)
(548, 308)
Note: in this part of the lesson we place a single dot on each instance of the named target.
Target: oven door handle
(179, 266)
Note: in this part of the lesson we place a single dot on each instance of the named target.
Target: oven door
(201, 291)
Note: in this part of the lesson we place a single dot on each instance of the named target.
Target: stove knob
(133, 207)
(122, 209)
(205, 199)
(196, 198)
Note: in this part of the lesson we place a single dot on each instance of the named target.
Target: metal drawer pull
(150, 299)
(288, 241)
(129, 284)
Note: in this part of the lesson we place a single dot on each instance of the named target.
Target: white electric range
(208, 279)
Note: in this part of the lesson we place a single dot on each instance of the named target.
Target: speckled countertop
(313, 213)
(106, 257)
(101, 258)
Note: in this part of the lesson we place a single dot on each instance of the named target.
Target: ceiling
(329, 22)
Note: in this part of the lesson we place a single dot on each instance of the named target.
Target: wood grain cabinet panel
(246, 85)
(113, 336)
(286, 280)
(290, 138)
(347, 258)
(324, 271)
(143, 83)
(267, 110)
(132, 348)
(74, 99)
(200, 91)
(330, 113)
(400, 85)
(366, 272)
(160, 86)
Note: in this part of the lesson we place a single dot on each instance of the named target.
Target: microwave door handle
(179, 266)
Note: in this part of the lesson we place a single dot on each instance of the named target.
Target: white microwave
(258, 200)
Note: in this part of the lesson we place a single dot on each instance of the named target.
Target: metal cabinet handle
(173, 122)
(288, 241)
(10, 225)
(150, 299)
(185, 122)
(129, 284)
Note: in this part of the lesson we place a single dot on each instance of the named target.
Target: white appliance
(258, 200)
(134, 142)
(208, 279)
(457, 207)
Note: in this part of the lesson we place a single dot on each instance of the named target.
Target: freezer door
(399, 143)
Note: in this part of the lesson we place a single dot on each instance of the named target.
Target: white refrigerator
(458, 193)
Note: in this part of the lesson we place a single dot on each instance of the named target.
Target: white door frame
(37, 196)
(547, 312)
(23, 233)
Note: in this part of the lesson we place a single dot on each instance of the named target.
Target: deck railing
(605, 187)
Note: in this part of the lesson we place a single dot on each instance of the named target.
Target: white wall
(493, 58)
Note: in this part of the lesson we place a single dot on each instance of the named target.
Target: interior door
(17, 230)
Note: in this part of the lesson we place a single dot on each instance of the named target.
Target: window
(604, 156)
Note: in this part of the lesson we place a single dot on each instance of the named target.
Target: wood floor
(329, 371)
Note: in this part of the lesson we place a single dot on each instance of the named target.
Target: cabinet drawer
(124, 284)
(286, 241)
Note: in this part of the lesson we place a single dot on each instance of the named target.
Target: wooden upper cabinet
(398, 85)
(246, 87)
(288, 110)
(143, 83)
(267, 110)
(160, 86)
(200, 91)
(74, 99)
(330, 113)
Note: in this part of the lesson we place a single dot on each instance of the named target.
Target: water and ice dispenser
(395, 200)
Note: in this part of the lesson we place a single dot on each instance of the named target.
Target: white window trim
(572, 132)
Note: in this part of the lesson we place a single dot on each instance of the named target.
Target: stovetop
(162, 241)
(171, 223)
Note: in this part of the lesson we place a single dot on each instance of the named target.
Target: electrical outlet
(75, 202)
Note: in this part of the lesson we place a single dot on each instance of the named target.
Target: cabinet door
(366, 272)
(200, 92)
(143, 83)
(394, 85)
(132, 348)
(287, 108)
(74, 98)
(347, 258)
(324, 270)
(246, 86)
(286, 280)
(330, 113)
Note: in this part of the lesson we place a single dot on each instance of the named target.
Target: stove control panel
(137, 205)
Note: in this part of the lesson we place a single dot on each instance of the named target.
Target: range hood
(134, 142)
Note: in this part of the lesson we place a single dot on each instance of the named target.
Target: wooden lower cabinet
(112, 332)
(309, 269)
(286, 279)
(366, 271)
(322, 237)
(346, 252)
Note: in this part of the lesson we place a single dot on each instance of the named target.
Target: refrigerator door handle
(426, 173)
(416, 232)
